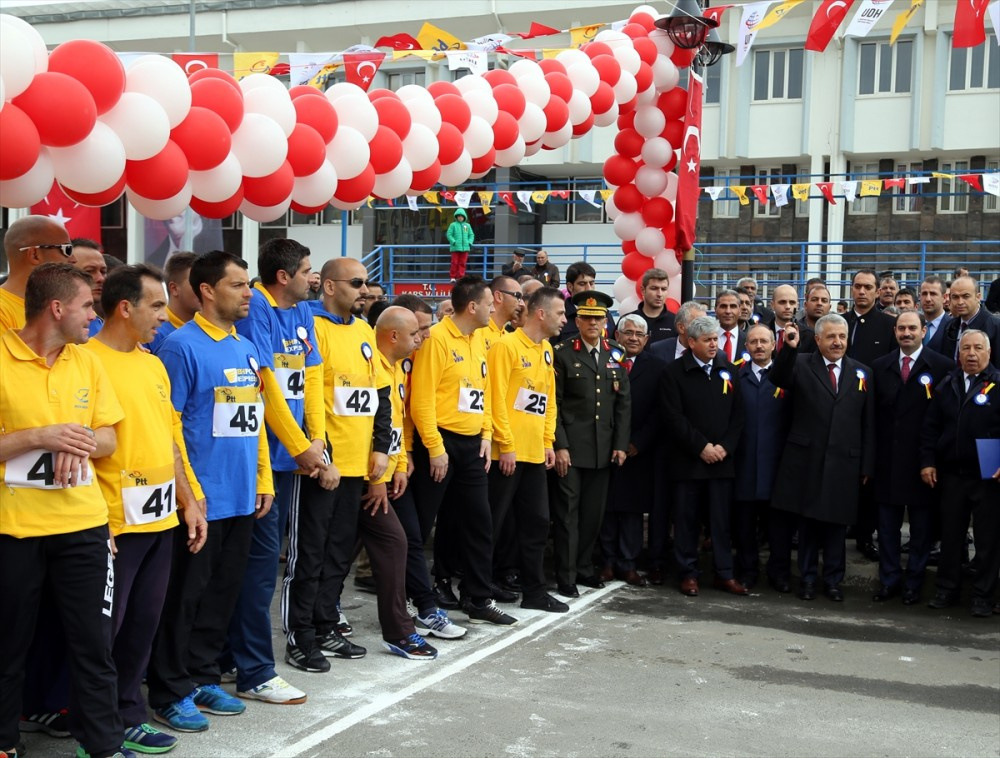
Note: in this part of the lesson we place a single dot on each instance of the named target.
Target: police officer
(592, 430)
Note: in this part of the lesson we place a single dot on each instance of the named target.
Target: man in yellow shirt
(29, 242)
(451, 448)
(57, 412)
(143, 504)
(522, 389)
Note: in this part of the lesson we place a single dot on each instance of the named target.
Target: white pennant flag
(714, 192)
(412, 202)
(991, 183)
(919, 180)
(866, 17)
(994, 10)
(753, 14)
(525, 197)
(489, 42)
(304, 66)
(474, 60)
(462, 199)
(780, 192)
(617, 26)
(591, 197)
(850, 190)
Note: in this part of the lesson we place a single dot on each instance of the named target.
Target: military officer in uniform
(592, 431)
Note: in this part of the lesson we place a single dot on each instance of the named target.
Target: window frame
(881, 47)
(728, 201)
(578, 203)
(786, 71)
(990, 66)
(767, 175)
(953, 192)
(910, 195)
(991, 203)
(864, 206)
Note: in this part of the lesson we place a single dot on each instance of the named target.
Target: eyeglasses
(631, 333)
(357, 282)
(65, 248)
(515, 295)
(375, 298)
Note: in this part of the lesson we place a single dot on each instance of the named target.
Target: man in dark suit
(757, 457)
(968, 313)
(965, 409)
(932, 305)
(670, 349)
(905, 382)
(631, 492)
(592, 431)
(993, 297)
(732, 340)
(703, 419)
(784, 303)
(761, 313)
(830, 450)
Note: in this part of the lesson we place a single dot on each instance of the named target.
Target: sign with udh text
(422, 289)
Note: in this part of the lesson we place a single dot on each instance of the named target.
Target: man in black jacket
(968, 313)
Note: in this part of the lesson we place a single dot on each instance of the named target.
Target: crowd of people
(164, 436)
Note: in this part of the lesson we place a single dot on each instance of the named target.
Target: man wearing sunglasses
(29, 242)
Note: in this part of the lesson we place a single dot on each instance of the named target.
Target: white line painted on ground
(390, 699)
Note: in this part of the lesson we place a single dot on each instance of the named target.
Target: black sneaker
(942, 599)
(444, 595)
(488, 614)
(544, 603)
(344, 628)
(333, 645)
(309, 659)
(501, 595)
(53, 724)
(510, 581)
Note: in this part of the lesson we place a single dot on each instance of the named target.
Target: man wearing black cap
(515, 268)
(592, 430)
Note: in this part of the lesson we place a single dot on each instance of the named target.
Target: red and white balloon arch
(168, 141)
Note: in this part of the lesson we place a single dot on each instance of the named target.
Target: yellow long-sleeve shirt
(395, 377)
(523, 397)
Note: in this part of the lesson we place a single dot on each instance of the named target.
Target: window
(766, 176)
(556, 210)
(906, 199)
(885, 68)
(864, 206)
(990, 204)
(399, 79)
(953, 194)
(975, 67)
(728, 205)
(713, 84)
(801, 206)
(584, 212)
(777, 74)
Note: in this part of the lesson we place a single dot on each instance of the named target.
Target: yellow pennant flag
(606, 193)
(740, 192)
(902, 19)
(425, 54)
(432, 197)
(801, 191)
(581, 35)
(871, 188)
(485, 198)
(319, 81)
(540, 196)
(245, 64)
(371, 198)
(777, 13)
(552, 52)
(940, 175)
(432, 38)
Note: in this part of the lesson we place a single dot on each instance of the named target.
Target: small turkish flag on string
(537, 30)
(824, 25)
(689, 168)
(360, 68)
(715, 13)
(970, 23)
(508, 198)
(79, 220)
(192, 62)
(973, 180)
(399, 42)
(827, 189)
(760, 192)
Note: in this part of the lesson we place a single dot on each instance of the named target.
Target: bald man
(784, 303)
(29, 242)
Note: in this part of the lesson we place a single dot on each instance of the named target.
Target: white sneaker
(276, 691)
(439, 625)
(411, 609)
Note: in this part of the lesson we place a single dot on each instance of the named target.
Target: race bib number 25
(530, 401)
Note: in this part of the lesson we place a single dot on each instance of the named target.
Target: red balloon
(484, 163)
(61, 108)
(386, 150)
(628, 246)
(560, 85)
(220, 209)
(673, 133)
(638, 287)
(619, 170)
(380, 92)
(645, 20)
(304, 90)
(626, 120)
(602, 100)
(643, 77)
(437, 89)
(20, 144)
(204, 137)
(683, 58)
(306, 210)
(215, 73)
(505, 131)
(392, 113)
(306, 150)
(629, 142)
(657, 211)
(584, 126)
(673, 102)
(95, 199)
(451, 143)
(634, 265)
(556, 114)
(424, 180)
(318, 113)
(608, 68)
(646, 49)
(269, 190)
(669, 165)
(635, 31)
(552, 66)
(454, 110)
(510, 99)
(629, 107)
(628, 199)
(216, 94)
(159, 177)
(594, 49)
(672, 305)
(357, 188)
(498, 76)
(95, 66)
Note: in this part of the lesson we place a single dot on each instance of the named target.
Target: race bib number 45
(470, 400)
(36, 469)
(148, 496)
(238, 412)
(530, 401)
(355, 401)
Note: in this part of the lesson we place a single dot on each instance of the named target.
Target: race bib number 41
(36, 469)
(530, 401)
(470, 400)
(355, 401)
(238, 412)
(148, 496)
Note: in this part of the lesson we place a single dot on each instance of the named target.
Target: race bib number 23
(470, 400)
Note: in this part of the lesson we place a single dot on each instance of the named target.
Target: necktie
(833, 376)
(931, 326)
(781, 341)
(905, 371)
(728, 347)
(593, 354)
(628, 365)
(961, 331)
(708, 371)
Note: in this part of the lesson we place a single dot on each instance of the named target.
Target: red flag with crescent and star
(192, 62)
(399, 42)
(970, 23)
(360, 68)
(689, 168)
(824, 25)
(715, 13)
(79, 220)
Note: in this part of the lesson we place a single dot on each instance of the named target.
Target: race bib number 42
(238, 412)
(530, 401)
(36, 469)
(148, 496)
(355, 401)
(470, 400)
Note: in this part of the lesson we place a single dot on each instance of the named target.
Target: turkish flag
(192, 62)
(760, 191)
(827, 189)
(715, 13)
(79, 220)
(537, 30)
(689, 168)
(508, 197)
(399, 42)
(825, 23)
(360, 68)
(970, 23)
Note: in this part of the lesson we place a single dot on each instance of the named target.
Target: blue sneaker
(122, 753)
(145, 739)
(182, 716)
(413, 647)
(211, 698)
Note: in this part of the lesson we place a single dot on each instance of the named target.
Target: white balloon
(623, 288)
(650, 180)
(665, 74)
(628, 225)
(572, 57)
(664, 45)
(260, 145)
(218, 184)
(276, 105)
(456, 173)
(625, 88)
(3, 96)
(667, 261)
(261, 81)
(161, 210)
(609, 117)
(647, 96)
(341, 205)
(17, 59)
(628, 57)
(472, 83)
(356, 111)
(532, 122)
(38, 50)
(629, 304)
(647, 9)
(394, 183)
(554, 140)
(348, 152)
(420, 148)
(611, 209)
(524, 68)
(264, 214)
(656, 152)
(141, 124)
(93, 165)
(674, 288)
(579, 107)
(670, 192)
(649, 121)
(650, 241)
(424, 112)
(478, 137)
(316, 188)
(32, 186)
(536, 90)
(584, 77)
(414, 92)
(613, 39)
(531, 149)
(512, 155)
(344, 89)
(482, 104)
(164, 81)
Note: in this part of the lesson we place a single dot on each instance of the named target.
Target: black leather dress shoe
(885, 593)
(869, 550)
(444, 595)
(941, 600)
(834, 592)
(590, 581)
(911, 597)
(501, 595)
(779, 585)
(510, 582)
(981, 607)
(568, 590)
(807, 592)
